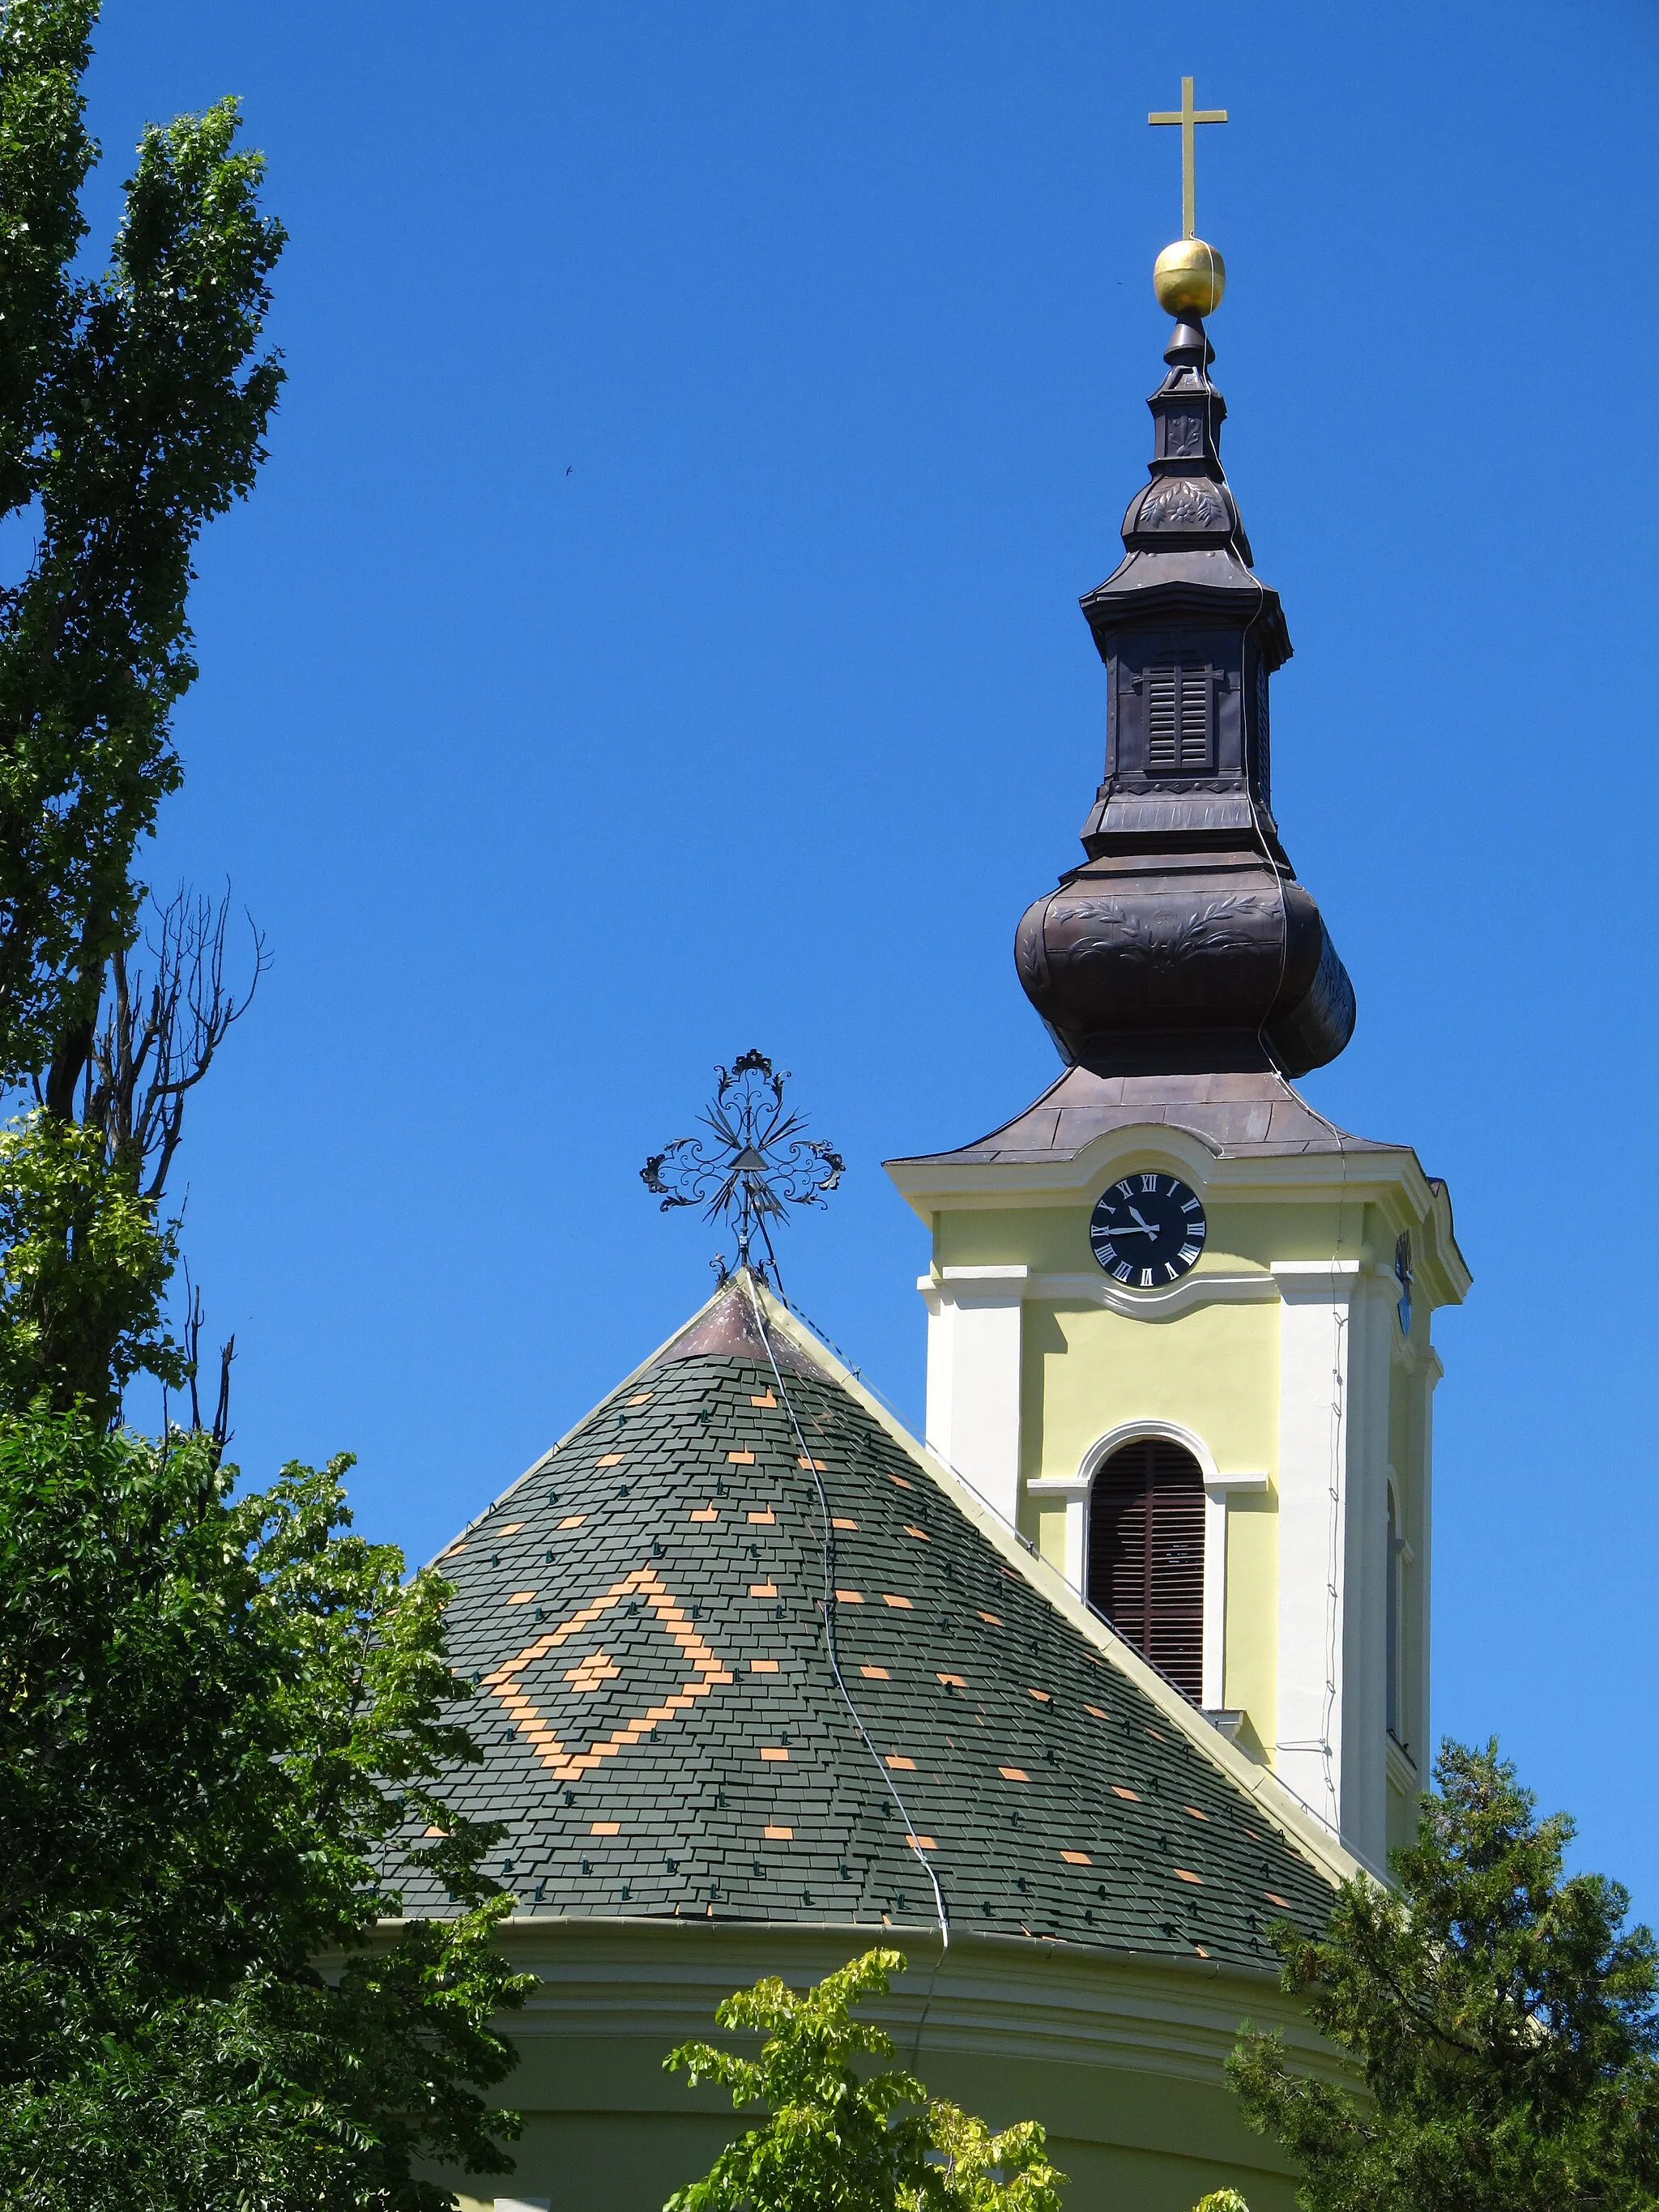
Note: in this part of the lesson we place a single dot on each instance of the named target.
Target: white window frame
(1074, 1489)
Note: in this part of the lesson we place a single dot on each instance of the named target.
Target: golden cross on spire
(1188, 117)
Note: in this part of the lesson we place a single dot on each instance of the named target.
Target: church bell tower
(1179, 1322)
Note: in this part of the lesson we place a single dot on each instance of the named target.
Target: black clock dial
(1147, 1230)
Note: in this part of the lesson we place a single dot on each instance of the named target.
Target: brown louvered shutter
(1146, 1555)
(1178, 720)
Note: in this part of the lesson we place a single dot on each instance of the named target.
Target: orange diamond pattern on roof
(707, 1673)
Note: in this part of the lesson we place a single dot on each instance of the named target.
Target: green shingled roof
(664, 1734)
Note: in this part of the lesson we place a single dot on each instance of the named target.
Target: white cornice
(1198, 1288)
(1393, 1180)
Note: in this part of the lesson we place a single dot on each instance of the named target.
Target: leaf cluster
(222, 1722)
(132, 408)
(839, 2139)
(1502, 2015)
(84, 1269)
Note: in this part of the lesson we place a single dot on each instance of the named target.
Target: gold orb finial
(1190, 278)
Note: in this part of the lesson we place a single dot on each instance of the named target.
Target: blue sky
(656, 633)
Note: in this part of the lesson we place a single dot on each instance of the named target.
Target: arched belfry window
(1146, 1555)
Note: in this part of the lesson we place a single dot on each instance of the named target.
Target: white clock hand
(1143, 1231)
(1142, 1223)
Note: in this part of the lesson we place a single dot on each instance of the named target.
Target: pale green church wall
(1122, 2061)
(1214, 1369)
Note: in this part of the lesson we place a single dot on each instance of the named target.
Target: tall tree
(224, 1718)
(133, 407)
(1502, 2017)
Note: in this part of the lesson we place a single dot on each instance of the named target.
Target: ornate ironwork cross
(759, 1165)
(1188, 117)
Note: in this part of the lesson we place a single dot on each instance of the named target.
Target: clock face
(1147, 1230)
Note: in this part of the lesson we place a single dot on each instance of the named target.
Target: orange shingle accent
(521, 1597)
(993, 1619)
(767, 1514)
(1183, 1874)
(920, 1534)
(823, 1466)
(876, 1673)
(606, 1828)
(1042, 1696)
(921, 1843)
(1272, 1896)
(762, 1589)
(762, 1666)
(779, 1835)
(849, 1597)
(592, 1672)
(1013, 1774)
(706, 1513)
(838, 1520)
(741, 1459)
(573, 1520)
(1096, 1711)
(764, 1399)
(896, 1758)
(609, 1459)
(900, 1604)
(953, 1681)
(640, 1397)
(1133, 1796)
(1077, 1858)
(437, 1832)
(901, 1481)
(511, 1529)
(774, 1754)
(1194, 1810)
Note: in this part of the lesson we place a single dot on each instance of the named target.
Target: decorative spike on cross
(1188, 117)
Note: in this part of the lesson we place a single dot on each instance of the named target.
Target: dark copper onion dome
(1184, 943)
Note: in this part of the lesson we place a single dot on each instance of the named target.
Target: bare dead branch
(160, 1029)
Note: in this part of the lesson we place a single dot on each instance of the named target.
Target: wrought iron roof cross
(759, 1165)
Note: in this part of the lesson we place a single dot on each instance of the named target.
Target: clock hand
(1143, 1231)
(1142, 1223)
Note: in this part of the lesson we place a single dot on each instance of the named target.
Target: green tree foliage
(222, 1720)
(131, 410)
(83, 1272)
(835, 2139)
(1502, 2016)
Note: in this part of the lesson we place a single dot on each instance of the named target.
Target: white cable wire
(1340, 1319)
(827, 1607)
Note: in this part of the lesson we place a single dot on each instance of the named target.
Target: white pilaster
(1363, 1770)
(1313, 1443)
(973, 1376)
